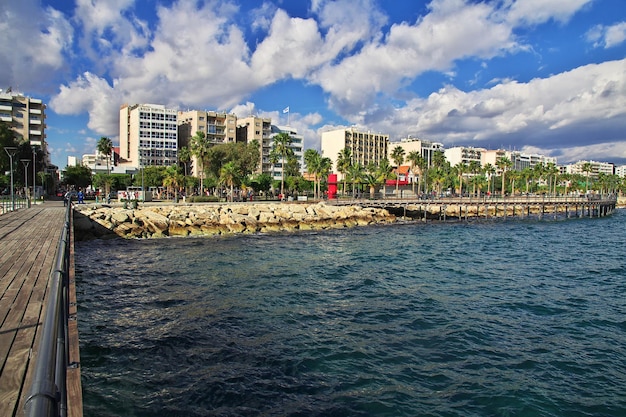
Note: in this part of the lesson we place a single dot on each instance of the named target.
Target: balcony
(34, 111)
(35, 132)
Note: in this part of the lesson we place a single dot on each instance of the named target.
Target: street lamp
(25, 162)
(11, 151)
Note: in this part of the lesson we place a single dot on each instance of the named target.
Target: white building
(365, 147)
(596, 168)
(463, 155)
(425, 148)
(297, 147)
(148, 135)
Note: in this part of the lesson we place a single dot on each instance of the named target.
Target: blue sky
(538, 76)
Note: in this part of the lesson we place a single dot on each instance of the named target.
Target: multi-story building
(26, 116)
(296, 146)
(425, 148)
(365, 147)
(253, 128)
(148, 135)
(620, 171)
(521, 160)
(217, 128)
(464, 155)
(596, 168)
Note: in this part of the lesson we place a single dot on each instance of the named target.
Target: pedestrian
(81, 197)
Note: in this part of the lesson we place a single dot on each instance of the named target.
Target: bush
(203, 199)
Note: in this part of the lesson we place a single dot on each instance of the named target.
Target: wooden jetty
(467, 208)
(29, 239)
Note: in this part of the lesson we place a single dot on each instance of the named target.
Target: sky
(537, 76)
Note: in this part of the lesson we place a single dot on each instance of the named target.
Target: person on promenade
(81, 197)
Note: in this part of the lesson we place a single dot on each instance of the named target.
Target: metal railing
(47, 396)
(7, 205)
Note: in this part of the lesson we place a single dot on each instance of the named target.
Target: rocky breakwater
(100, 221)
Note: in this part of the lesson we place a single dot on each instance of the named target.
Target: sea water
(493, 318)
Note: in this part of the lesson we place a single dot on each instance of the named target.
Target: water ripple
(492, 318)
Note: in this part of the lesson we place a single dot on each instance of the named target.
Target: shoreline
(187, 219)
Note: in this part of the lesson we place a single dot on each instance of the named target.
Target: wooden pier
(466, 208)
(29, 239)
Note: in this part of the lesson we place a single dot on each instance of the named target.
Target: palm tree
(312, 159)
(552, 170)
(200, 147)
(172, 178)
(587, 168)
(344, 161)
(105, 147)
(503, 163)
(461, 169)
(371, 178)
(229, 175)
(282, 143)
(384, 173)
(489, 170)
(355, 172)
(398, 157)
(417, 161)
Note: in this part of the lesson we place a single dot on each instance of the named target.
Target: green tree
(344, 161)
(397, 154)
(355, 173)
(489, 170)
(229, 175)
(105, 147)
(504, 164)
(587, 168)
(385, 172)
(313, 161)
(282, 146)
(77, 176)
(172, 179)
(199, 147)
(416, 160)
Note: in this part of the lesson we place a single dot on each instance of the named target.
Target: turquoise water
(496, 318)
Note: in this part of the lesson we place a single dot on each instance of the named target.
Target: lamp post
(25, 162)
(11, 150)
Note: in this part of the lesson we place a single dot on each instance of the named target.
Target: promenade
(29, 238)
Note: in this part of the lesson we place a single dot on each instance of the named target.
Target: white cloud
(607, 36)
(49, 37)
(453, 30)
(574, 103)
(92, 94)
(534, 12)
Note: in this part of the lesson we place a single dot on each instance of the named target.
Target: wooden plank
(28, 242)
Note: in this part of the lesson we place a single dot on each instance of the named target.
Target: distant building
(26, 116)
(297, 147)
(253, 128)
(620, 171)
(365, 147)
(217, 128)
(522, 160)
(464, 155)
(148, 135)
(425, 148)
(596, 168)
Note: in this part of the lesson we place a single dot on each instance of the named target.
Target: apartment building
(522, 160)
(597, 168)
(297, 147)
(148, 135)
(26, 116)
(366, 147)
(218, 127)
(253, 128)
(464, 155)
(425, 148)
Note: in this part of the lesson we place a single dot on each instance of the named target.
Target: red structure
(332, 186)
